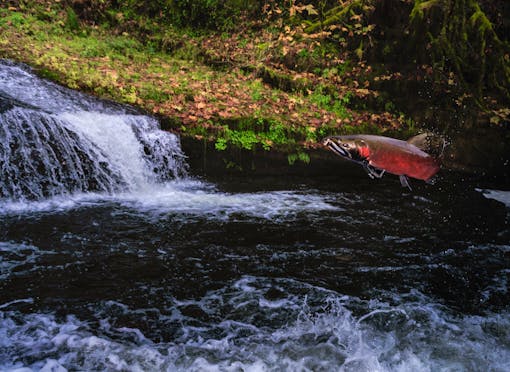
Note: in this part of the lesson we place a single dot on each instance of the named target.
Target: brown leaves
(224, 83)
(232, 94)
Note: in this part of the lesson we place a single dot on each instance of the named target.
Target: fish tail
(432, 143)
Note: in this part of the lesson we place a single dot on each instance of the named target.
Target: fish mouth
(329, 143)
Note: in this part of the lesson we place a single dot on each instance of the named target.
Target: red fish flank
(404, 159)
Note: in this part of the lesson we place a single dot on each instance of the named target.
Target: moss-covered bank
(245, 105)
(280, 79)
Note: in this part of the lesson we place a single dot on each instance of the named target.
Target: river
(116, 256)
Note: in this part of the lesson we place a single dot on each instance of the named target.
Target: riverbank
(196, 86)
(245, 93)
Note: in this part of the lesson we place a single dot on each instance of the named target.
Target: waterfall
(56, 141)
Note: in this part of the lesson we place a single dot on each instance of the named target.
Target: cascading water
(55, 141)
(61, 145)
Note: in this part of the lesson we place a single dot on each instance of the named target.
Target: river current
(114, 256)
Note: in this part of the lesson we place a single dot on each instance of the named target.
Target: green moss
(331, 101)
(252, 133)
(281, 81)
(150, 92)
(257, 89)
(462, 40)
(419, 8)
(13, 19)
(72, 21)
(337, 15)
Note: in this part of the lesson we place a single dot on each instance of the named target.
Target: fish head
(349, 147)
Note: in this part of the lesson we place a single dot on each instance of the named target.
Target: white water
(55, 142)
(319, 331)
(20, 83)
(499, 195)
(185, 197)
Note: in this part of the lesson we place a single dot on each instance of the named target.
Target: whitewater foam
(187, 198)
(499, 195)
(309, 330)
(19, 259)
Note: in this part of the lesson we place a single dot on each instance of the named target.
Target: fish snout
(325, 141)
(336, 147)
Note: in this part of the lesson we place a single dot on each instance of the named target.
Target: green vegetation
(256, 132)
(277, 75)
(463, 41)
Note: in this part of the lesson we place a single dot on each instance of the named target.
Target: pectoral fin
(404, 181)
(373, 172)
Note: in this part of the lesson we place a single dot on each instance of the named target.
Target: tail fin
(433, 144)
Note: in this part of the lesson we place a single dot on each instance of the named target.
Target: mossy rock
(281, 81)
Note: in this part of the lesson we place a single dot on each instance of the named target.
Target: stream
(115, 256)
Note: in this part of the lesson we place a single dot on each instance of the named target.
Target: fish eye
(345, 144)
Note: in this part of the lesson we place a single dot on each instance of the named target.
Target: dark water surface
(267, 276)
(133, 271)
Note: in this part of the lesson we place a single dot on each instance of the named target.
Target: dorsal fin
(433, 144)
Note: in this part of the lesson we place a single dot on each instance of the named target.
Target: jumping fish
(379, 154)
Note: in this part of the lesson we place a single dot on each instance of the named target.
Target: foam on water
(499, 195)
(307, 328)
(187, 198)
(196, 198)
(16, 259)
